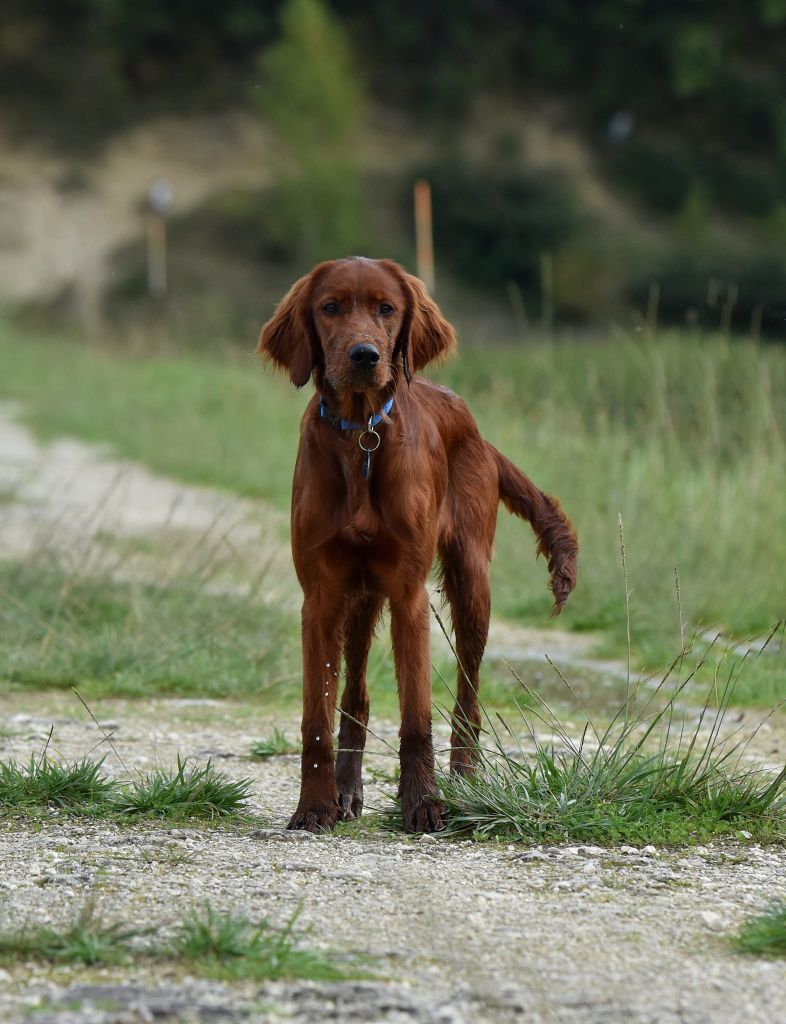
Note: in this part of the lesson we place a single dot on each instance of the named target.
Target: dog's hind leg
(358, 631)
(466, 582)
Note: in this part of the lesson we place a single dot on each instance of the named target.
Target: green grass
(82, 788)
(654, 774)
(757, 663)
(86, 941)
(43, 782)
(60, 628)
(682, 436)
(163, 636)
(275, 745)
(231, 946)
(765, 935)
(183, 793)
(215, 944)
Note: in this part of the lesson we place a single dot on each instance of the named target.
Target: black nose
(364, 356)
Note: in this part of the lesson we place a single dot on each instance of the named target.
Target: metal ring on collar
(373, 433)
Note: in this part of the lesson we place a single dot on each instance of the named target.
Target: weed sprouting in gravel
(217, 944)
(82, 788)
(184, 793)
(230, 946)
(765, 935)
(652, 775)
(86, 941)
(43, 782)
(274, 746)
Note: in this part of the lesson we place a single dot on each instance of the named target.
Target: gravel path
(459, 932)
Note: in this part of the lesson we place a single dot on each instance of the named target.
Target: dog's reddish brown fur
(433, 491)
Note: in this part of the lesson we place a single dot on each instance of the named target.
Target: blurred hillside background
(615, 162)
(609, 208)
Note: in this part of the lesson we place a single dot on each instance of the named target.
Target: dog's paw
(349, 782)
(350, 801)
(319, 818)
(423, 815)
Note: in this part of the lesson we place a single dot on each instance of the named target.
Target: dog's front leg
(318, 807)
(409, 622)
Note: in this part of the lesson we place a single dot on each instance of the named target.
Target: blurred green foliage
(675, 100)
(743, 290)
(312, 95)
(712, 73)
(494, 220)
(82, 68)
(662, 174)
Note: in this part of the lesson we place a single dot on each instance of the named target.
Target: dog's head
(356, 324)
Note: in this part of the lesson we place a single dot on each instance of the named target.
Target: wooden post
(156, 255)
(424, 236)
(160, 197)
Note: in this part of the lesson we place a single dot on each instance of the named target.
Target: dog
(391, 473)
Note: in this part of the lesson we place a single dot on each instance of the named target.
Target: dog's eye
(330, 307)
(385, 309)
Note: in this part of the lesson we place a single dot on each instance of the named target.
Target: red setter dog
(391, 473)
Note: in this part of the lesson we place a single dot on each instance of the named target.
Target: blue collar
(348, 424)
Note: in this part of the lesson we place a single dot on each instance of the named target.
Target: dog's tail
(556, 537)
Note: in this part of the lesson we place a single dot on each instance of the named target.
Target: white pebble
(712, 920)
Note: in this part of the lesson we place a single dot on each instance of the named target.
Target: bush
(311, 94)
(662, 174)
(697, 287)
(492, 225)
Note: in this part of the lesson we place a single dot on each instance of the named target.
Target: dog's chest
(361, 521)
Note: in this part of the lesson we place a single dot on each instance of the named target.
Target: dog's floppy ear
(425, 334)
(289, 339)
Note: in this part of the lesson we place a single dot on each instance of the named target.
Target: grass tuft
(184, 793)
(47, 783)
(86, 941)
(81, 788)
(86, 626)
(649, 777)
(765, 935)
(213, 943)
(274, 746)
(229, 946)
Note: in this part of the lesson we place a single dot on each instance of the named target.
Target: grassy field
(682, 437)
